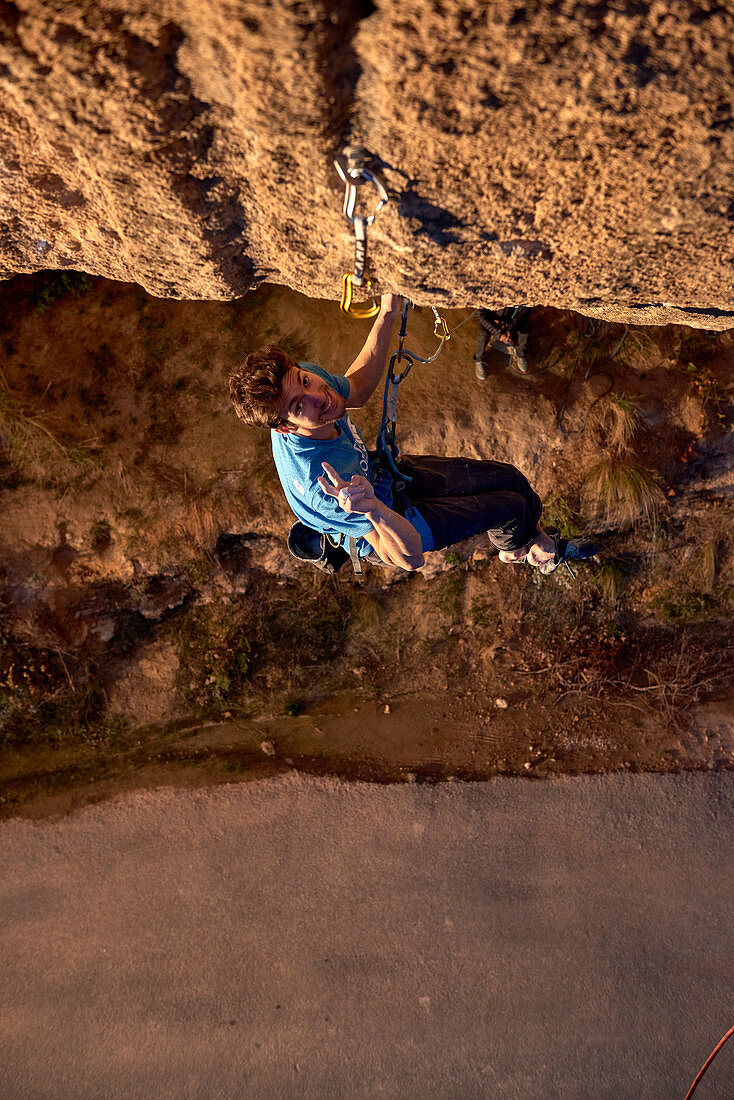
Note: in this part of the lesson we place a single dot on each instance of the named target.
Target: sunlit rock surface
(561, 153)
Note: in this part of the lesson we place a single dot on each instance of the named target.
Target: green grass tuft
(558, 512)
(57, 285)
(679, 608)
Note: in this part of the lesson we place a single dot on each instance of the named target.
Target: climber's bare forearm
(369, 366)
(394, 538)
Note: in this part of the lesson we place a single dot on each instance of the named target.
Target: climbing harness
(351, 164)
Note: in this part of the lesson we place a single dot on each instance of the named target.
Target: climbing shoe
(519, 353)
(479, 368)
(519, 362)
(568, 550)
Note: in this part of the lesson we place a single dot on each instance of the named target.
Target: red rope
(707, 1063)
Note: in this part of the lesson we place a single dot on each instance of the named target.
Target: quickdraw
(387, 449)
(351, 164)
(440, 331)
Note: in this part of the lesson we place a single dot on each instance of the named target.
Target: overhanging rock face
(560, 153)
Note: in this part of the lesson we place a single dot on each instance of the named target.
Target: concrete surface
(307, 938)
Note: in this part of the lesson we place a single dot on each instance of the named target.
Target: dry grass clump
(618, 418)
(618, 494)
(707, 566)
(670, 677)
(201, 525)
(191, 538)
(31, 447)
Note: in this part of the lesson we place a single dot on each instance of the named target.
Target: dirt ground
(155, 630)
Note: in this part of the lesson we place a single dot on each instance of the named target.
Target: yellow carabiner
(440, 328)
(357, 311)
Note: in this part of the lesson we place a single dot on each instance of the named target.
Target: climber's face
(308, 405)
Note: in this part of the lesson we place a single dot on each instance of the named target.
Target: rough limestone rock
(560, 152)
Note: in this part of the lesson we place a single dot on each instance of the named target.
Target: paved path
(305, 938)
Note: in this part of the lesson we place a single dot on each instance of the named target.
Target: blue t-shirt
(298, 460)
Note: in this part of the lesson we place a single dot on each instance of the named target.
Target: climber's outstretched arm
(369, 366)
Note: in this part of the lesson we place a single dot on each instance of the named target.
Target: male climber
(330, 481)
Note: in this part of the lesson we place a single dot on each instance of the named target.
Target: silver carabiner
(350, 164)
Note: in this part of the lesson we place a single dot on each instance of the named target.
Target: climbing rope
(387, 450)
(351, 164)
(708, 1062)
(440, 331)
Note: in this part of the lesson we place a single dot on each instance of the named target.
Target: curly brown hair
(255, 386)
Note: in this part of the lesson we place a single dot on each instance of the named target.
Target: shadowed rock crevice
(342, 66)
(9, 20)
(184, 135)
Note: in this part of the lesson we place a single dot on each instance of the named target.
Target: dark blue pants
(461, 497)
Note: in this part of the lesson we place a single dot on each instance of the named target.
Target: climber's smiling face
(308, 405)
